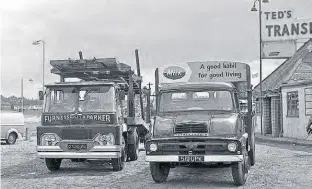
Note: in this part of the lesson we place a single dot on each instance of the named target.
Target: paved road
(277, 167)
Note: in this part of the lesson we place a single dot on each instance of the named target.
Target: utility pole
(43, 58)
(260, 55)
(140, 82)
(261, 94)
(148, 107)
(22, 94)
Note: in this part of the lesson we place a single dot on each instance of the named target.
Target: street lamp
(260, 51)
(43, 58)
(22, 92)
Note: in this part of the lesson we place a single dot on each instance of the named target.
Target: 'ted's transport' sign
(282, 25)
(207, 71)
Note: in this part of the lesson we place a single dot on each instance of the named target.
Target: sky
(164, 32)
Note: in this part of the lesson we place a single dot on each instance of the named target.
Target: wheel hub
(11, 138)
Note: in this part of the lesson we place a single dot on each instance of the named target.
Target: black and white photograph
(156, 94)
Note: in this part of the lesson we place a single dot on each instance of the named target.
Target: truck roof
(80, 83)
(197, 85)
(98, 69)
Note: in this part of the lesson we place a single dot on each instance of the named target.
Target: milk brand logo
(174, 72)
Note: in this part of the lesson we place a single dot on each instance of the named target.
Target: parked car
(12, 126)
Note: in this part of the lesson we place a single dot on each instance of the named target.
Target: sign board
(278, 49)
(282, 25)
(206, 71)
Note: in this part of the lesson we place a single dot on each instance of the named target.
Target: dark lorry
(200, 122)
(93, 118)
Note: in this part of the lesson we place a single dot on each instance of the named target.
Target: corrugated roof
(289, 71)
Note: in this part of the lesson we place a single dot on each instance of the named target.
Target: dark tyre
(53, 164)
(252, 152)
(134, 149)
(240, 172)
(11, 138)
(78, 160)
(118, 163)
(159, 171)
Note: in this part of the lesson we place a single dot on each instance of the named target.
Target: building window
(308, 101)
(292, 104)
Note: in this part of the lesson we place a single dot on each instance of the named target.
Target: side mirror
(41, 95)
(122, 94)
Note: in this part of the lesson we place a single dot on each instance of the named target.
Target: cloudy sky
(164, 31)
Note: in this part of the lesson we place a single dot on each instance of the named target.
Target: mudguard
(10, 131)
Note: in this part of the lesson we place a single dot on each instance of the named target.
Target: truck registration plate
(191, 158)
(76, 146)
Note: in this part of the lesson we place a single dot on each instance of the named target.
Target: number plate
(191, 158)
(76, 146)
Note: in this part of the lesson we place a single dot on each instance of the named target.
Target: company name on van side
(95, 117)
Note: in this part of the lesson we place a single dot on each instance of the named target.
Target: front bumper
(97, 152)
(207, 158)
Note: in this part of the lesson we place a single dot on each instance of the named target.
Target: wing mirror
(41, 95)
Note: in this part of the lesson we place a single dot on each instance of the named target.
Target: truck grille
(191, 128)
(197, 148)
(76, 134)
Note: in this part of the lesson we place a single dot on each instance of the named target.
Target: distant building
(6, 106)
(287, 96)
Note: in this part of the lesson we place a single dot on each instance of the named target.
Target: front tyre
(78, 160)
(119, 163)
(252, 152)
(134, 149)
(159, 171)
(240, 171)
(53, 164)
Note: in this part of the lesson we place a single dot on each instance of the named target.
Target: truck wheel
(78, 160)
(159, 171)
(133, 149)
(252, 152)
(53, 164)
(239, 172)
(118, 163)
(11, 138)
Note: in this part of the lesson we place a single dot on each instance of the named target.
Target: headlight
(49, 139)
(153, 147)
(232, 147)
(105, 139)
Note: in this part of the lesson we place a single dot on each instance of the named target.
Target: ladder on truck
(103, 69)
(106, 70)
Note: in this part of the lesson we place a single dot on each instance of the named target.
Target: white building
(287, 100)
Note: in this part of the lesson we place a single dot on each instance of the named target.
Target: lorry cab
(81, 120)
(197, 109)
(200, 121)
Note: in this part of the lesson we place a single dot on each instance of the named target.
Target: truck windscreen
(201, 100)
(83, 99)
